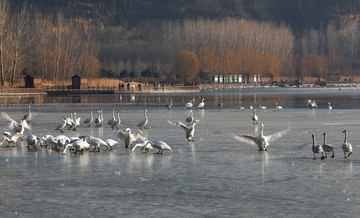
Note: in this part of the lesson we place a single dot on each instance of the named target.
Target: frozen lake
(213, 176)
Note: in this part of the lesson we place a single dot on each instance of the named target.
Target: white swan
(251, 107)
(169, 105)
(61, 125)
(98, 119)
(79, 145)
(112, 118)
(189, 130)
(32, 142)
(89, 120)
(255, 118)
(329, 106)
(311, 104)
(147, 145)
(28, 116)
(277, 106)
(346, 147)
(317, 148)
(11, 138)
(261, 140)
(143, 145)
(190, 103)
(14, 126)
(75, 121)
(46, 141)
(201, 105)
(262, 107)
(144, 122)
(327, 147)
(129, 137)
(190, 118)
(115, 123)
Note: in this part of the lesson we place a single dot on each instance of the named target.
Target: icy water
(213, 176)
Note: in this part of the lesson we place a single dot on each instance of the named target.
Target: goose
(255, 118)
(189, 130)
(327, 147)
(346, 147)
(90, 119)
(201, 104)
(61, 125)
(261, 140)
(32, 141)
(329, 106)
(129, 137)
(190, 118)
(277, 106)
(113, 118)
(190, 103)
(317, 148)
(116, 122)
(98, 120)
(169, 105)
(144, 122)
(311, 104)
(28, 116)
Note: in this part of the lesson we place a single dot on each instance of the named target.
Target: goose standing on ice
(329, 106)
(327, 147)
(255, 118)
(89, 120)
(261, 140)
(317, 148)
(346, 147)
(189, 130)
(129, 137)
(201, 104)
(143, 122)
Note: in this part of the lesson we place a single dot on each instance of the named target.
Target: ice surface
(214, 176)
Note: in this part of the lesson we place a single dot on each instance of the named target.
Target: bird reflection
(192, 146)
(264, 163)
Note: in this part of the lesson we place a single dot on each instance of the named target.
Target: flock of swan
(138, 139)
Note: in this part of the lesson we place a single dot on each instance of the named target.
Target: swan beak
(63, 153)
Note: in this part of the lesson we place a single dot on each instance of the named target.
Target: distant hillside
(299, 14)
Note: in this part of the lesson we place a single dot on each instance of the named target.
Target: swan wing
(273, 137)
(26, 125)
(245, 138)
(140, 134)
(121, 134)
(6, 116)
(178, 124)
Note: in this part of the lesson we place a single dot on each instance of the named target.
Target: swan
(115, 123)
(220, 105)
(327, 147)
(14, 126)
(255, 118)
(190, 103)
(169, 105)
(98, 120)
(329, 106)
(60, 141)
(277, 106)
(110, 143)
(311, 104)
(346, 147)
(61, 125)
(28, 116)
(143, 145)
(94, 142)
(159, 145)
(190, 130)
(32, 141)
(190, 118)
(46, 141)
(261, 140)
(251, 107)
(79, 145)
(74, 122)
(89, 120)
(144, 122)
(129, 137)
(11, 138)
(262, 107)
(113, 118)
(201, 104)
(317, 148)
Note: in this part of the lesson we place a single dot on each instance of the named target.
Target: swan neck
(345, 140)
(324, 139)
(313, 137)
